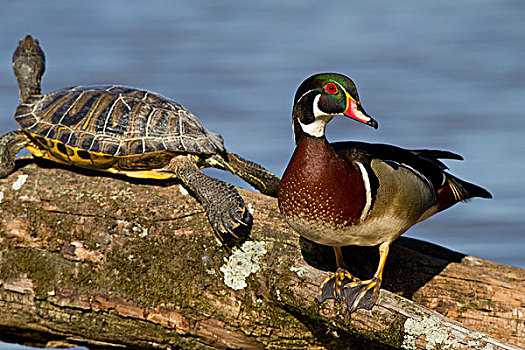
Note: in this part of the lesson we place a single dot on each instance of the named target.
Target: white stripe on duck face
(317, 127)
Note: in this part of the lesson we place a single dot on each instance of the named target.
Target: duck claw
(333, 286)
(362, 294)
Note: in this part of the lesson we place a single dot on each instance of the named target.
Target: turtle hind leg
(230, 219)
(10, 144)
(254, 174)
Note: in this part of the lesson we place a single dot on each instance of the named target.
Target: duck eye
(331, 88)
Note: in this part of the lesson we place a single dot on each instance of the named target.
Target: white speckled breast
(318, 210)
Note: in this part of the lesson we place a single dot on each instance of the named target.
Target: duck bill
(355, 111)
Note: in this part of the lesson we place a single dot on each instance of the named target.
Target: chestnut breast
(319, 186)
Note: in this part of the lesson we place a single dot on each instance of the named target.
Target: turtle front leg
(254, 174)
(10, 144)
(224, 206)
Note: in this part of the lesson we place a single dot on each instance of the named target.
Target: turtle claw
(333, 286)
(361, 294)
(225, 208)
(244, 221)
(241, 222)
(237, 222)
(230, 226)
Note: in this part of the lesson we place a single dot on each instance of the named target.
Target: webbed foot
(356, 293)
(361, 294)
(333, 286)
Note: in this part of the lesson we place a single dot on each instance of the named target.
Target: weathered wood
(103, 261)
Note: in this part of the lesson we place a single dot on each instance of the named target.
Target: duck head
(322, 97)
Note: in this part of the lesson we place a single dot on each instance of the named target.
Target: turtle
(134, 132)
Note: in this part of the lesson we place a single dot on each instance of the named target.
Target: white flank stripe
(368, 190)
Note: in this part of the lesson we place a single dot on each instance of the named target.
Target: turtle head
(322, 97)
(29, 65)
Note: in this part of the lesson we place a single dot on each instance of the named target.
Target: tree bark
(106, 262)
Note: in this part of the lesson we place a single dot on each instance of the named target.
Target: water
(448, 75)
(443, 75)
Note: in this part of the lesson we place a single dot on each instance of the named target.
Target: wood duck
(357, 193)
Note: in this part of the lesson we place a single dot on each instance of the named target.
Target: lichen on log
(106, 261)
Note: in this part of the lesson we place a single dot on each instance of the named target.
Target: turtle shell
(113, 121)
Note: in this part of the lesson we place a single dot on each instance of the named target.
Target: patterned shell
(115, 120)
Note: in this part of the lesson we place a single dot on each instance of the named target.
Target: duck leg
(333, 286)
(10, 144)
(364, 294)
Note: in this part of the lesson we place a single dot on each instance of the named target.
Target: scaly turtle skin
(356, 193)
(122, 130)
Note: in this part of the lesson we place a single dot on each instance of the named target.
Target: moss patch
(39, 266)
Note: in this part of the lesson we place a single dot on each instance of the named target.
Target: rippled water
(447, 75)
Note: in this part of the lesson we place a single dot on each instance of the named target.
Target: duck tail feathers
(463, 190)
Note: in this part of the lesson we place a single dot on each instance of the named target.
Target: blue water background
(447, 75)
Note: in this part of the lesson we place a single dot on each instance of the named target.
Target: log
(110, 262)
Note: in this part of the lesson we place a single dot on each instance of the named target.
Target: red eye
(331, 88)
